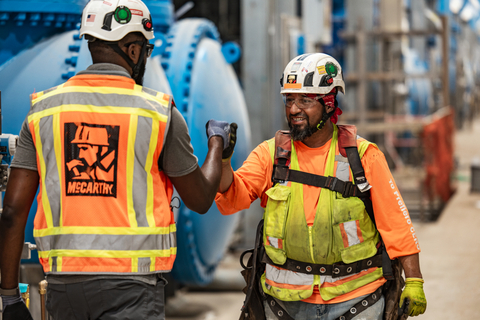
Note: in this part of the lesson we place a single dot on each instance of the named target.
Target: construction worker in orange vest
(331, 207)
(106, 154)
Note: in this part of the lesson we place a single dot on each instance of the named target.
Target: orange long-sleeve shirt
(391, 215)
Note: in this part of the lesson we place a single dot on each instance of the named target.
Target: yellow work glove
(413, 291)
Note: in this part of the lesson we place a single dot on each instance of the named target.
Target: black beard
(298, 134)
(141, 73)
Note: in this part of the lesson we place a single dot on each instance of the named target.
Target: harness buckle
(330, 183)
(280, 173)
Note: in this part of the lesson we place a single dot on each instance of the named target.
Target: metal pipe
(42, 289)
(445, 58)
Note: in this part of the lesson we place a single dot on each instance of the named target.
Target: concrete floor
(450, 251)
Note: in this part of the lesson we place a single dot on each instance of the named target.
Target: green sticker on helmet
(331, 69)
(123, 15)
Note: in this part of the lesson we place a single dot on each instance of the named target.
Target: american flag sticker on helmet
(91, 18)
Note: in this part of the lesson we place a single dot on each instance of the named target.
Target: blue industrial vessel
(40, 48)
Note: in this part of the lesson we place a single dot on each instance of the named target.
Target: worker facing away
(106, 153)
(331, 206)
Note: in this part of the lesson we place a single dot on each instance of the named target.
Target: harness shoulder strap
(281, 156)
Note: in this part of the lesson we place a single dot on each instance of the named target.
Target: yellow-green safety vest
(342, 232)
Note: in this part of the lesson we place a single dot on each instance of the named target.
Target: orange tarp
(437, 138)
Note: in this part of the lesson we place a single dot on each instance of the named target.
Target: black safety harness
(281, 174)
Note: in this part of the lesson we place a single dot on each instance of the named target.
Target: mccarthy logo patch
(91, 159)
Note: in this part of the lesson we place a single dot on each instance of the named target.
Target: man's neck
(320, 137)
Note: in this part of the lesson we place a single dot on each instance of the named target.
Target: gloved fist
(228, 151)
(413, 291)
(218, 128)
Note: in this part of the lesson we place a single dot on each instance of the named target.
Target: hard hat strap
(135, 67)
(324, 120)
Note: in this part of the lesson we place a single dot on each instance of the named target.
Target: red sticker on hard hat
(137, 12)
(107, 3)
(91, 153)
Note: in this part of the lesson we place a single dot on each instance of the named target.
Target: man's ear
(329, 108)
(133, 52)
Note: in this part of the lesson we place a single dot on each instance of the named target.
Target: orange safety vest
(103, 204)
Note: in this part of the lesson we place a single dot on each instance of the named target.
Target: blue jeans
(300, 310)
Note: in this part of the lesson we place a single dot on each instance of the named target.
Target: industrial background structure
(411, 71)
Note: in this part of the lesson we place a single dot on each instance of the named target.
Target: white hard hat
(315, 73)
(111, 20)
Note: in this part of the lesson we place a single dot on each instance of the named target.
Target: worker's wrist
(10, 300)
(9, 292)
(411, 279)
(227, 160)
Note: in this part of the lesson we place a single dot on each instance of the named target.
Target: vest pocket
(276, 213)
(359, 251)
(354, 247)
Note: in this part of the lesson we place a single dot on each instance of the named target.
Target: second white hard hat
(316, 73)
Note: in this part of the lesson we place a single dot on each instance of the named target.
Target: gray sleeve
(178, 157)
(25, 155)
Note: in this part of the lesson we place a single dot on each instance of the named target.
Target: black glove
(17, 311)
(228, 151)
(218, 128)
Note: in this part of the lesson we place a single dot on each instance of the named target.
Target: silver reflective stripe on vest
(351, 230)
(343, 168)
(54, 264)
(107, 241)
(144, 265)
(99, 100)
(275, 242)
(287, 276)
(140, 191)
(51, 171)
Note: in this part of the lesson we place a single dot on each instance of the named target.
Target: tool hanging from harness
(281, 174)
